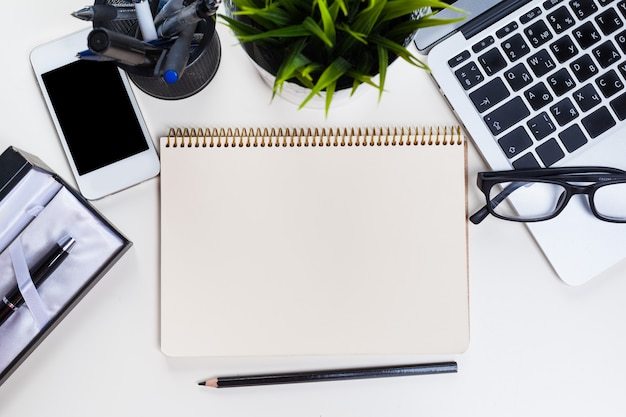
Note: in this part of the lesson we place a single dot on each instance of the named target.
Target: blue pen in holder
(177, 64)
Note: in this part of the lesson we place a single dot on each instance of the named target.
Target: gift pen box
(54, 247)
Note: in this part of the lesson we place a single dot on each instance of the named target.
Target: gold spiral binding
(313, 137)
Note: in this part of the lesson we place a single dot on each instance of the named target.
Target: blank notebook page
(314, 245)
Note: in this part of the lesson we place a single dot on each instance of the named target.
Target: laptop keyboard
(550, 82)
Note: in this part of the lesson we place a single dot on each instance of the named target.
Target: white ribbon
(27, 287)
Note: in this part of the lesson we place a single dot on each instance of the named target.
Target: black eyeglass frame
(600, 176)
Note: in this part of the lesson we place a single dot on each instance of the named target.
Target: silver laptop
(536, 84)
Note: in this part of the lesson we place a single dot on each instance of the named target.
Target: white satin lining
(24, 203)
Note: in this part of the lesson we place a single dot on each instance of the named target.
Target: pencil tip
(212, 382)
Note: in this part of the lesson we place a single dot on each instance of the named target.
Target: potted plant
(329, 45)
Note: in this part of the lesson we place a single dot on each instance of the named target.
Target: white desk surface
(538, 347)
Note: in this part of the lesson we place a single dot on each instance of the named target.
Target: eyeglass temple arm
(481, 214)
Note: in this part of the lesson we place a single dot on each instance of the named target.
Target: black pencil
(330, 375)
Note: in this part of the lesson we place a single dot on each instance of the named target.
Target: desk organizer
(37, 210)
(204, 58)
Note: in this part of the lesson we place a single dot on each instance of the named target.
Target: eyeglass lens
(532, 200)
(610, 201)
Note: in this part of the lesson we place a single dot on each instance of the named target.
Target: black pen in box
(39, 272)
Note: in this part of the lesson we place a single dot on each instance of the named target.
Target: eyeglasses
(532, 195)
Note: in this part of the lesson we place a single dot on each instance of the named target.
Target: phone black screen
(95, 114)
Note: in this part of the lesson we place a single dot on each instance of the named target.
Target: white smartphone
(96, 116)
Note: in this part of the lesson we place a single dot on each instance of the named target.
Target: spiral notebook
(348, 241)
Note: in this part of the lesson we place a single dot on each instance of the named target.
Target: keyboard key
(541, 126)
(506, 30)
(619, 106)
(515, 47)
(622, 7)
(469, 75)
(587, 98)
(586, 35)
(518, 77)
(620, 39)
(564, 111)
(609, 21)
(492, 61)
(526, 161)
(584, 68)
(538, 96)
(506, 116)
(541, 63)
(548, 4)
(573, 138)
(564, 49)
(583, 8)
(550, 152)
(538, 33)
(530, 15)
(622, 69)
(482, 45)
(489, 95)
(515, 142)
(561, 20)
(459, 59)
(598, 122)
(606, 54)
(609, 83)
(561, 82)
